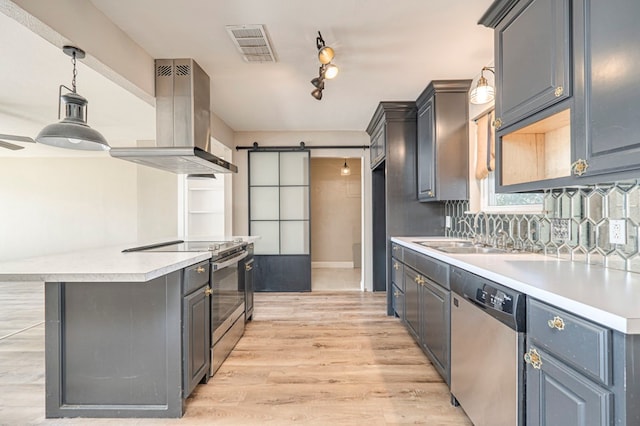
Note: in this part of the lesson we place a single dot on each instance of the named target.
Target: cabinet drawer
(397, 251)
(195, 276)
(584, 345)
(431, 268)
(397, 273)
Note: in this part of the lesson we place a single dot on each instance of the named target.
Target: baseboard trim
(345, 265)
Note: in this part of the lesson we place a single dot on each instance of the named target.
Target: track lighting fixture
(483, 92)
(327, 70)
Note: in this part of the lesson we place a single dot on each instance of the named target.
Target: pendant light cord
(75, 71)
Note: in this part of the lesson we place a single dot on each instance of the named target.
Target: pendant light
(345, 170)
(73, 132)
(483, 92)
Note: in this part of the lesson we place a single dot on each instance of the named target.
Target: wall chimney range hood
(182, 123)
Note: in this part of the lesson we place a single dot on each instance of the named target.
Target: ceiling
(386, 51)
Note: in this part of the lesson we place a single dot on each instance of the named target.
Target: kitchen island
(116, 329)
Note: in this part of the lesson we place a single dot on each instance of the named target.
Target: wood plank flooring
(306, 358)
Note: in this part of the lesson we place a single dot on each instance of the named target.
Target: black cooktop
(217, 248)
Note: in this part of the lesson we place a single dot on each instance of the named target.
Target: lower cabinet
(196, 309)
(427, 317)
(568, 369)
(558, 395)
(397, 285)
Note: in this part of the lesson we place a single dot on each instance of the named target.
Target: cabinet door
(436, 325)
(397, 302)
(608, 85)
(412, 301)
(426, 151)
(533, 65)
(557, 395)
(195, 335)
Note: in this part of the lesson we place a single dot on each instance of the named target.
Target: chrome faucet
(468, 225)
(501, 237)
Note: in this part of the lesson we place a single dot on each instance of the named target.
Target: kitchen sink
(443, 244)
(472, 250)
(461, 247)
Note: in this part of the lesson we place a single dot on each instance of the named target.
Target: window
(485, 164)
(527, 202)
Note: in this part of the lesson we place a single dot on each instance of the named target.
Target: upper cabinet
(566, 92)
(443, 141)
(607, 130)
(533, 45)
(377, 146)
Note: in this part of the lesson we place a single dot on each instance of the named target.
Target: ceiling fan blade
(17, 138)
(10, 146)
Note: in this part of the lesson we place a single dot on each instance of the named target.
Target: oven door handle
(235, 259)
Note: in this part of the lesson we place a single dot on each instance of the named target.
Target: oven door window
(226, 296)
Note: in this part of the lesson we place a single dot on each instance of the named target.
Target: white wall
(52, 205)
(157, 204)
(240, 180)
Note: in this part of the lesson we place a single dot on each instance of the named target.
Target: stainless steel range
(227, 297)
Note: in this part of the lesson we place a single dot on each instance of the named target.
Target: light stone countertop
(106, 264)
(606, 296)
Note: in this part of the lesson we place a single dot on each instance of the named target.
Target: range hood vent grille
(252, 42)
(164, 71)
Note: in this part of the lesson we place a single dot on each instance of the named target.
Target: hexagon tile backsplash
(575, 225)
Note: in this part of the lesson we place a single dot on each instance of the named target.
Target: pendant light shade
(325, 55)
(330, 71)
(72, 132)
(345, 170)
(483, 92)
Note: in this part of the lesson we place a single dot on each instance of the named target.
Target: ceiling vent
(252, 42)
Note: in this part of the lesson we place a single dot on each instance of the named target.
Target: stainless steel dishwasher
(487, 348)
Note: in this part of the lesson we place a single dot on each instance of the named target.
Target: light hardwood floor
(306, 358)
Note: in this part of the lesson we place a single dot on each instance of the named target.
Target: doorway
(336, 225)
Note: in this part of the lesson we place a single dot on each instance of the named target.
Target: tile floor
(336, 279)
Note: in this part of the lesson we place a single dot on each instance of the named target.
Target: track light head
(317, 93)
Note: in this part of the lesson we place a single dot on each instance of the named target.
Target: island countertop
(101, 265)
(606, 296)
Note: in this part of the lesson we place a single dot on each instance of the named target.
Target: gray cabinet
(443, 141)
(557, 395)
(395, 207)
(412, 302)
(566, 92)
(607, 131)
(377, 146)
(427, 308)
(196, 308)
(568, 369)
(397, 281)
(126, 349)
(533, 63)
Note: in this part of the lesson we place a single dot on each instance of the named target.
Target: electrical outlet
(617, 232)
(447, 222)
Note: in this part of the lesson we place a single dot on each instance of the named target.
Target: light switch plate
(617, 231)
